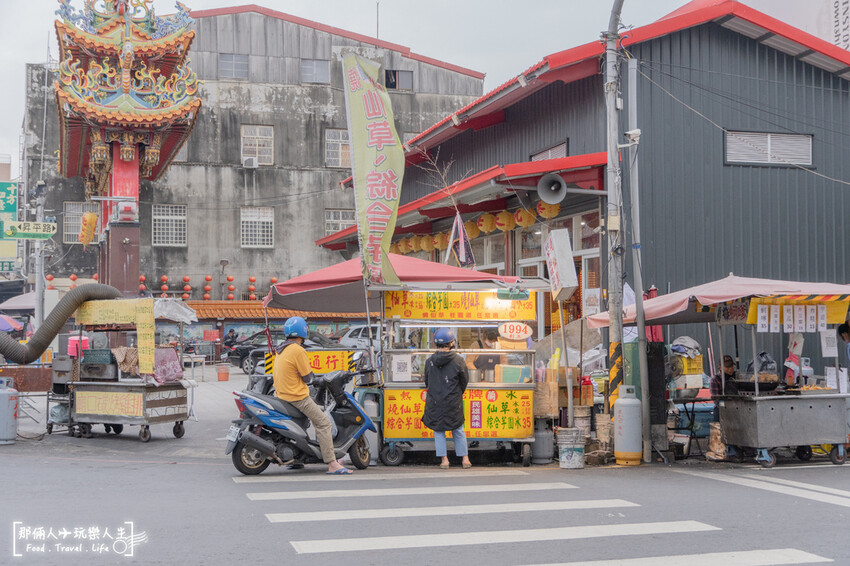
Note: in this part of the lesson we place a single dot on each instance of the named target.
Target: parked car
(239, 356)
(257, 354)
(357, 336)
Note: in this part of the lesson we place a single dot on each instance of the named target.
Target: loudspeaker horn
(552, 188)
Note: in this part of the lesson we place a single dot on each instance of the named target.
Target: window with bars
(257, 227)
(315, 71)
(766, 148)
(72, 220)
(398, 80)
(168, 225)
(337, 148)
(554, 152)
(232, 66)
(338, 219)
(258, 141)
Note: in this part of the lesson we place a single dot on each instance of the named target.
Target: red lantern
(187, 288)
(252, 297)
(142, 287)
(230, 278)
(206, 296)
(252, 288)
(208, 278)
(185, 296)
(164, 278)
(73, 286)
(49, 277)
(231, 288)
(207, 288)
(164, 296)
(73, 277)
(50, 287)
(142, 278)
(273, 280)
(230, 296)
(186, 278)
(94, 276)
(164, 288)
(252, 279)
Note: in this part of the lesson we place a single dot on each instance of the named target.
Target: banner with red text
(377, 163)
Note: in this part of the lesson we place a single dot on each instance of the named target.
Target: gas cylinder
(8, 412)
(628, 446)
(371, 407)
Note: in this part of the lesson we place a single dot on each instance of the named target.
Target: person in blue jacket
(445, 381)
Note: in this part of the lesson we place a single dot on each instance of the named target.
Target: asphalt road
(68, 497)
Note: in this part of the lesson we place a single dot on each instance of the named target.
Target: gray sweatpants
(323, 426)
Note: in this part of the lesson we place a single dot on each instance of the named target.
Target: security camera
(633, 135)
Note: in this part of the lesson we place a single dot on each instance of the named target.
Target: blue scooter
(271, 430)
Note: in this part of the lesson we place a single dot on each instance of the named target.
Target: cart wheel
(72, 430)
(117, 428)
(178, 430)
(804, 453)
(835, 458)
(107, 428)
(770, 462)
(392, 455)
(526, 455)
(49, 428)
(145, 433)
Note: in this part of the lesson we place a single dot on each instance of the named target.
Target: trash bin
(223, 372)
(8, 411)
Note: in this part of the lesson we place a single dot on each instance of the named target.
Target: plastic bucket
(223, 372)
(570, 448)
(581, 418)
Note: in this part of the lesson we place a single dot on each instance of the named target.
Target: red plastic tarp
(339, 288)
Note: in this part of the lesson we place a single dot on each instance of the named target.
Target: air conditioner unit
(249, 162)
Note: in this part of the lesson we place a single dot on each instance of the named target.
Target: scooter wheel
(392, 455)
(360, 453)
(248, 461)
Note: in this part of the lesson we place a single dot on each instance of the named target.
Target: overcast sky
(498, 37)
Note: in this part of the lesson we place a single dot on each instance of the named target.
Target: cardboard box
(582, 395)
(506, 344)
(545, 399)
(561, 375)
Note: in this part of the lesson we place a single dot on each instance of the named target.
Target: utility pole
(633, 135)
(612, 184)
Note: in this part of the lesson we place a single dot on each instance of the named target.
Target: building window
(258, 141)
(315, 71)
(554, 152)
(168, 225)
(72, 221)
(398, 80)
(764, 148)
(231, 66)
(336, 220)
(337, 148)
(257, 227)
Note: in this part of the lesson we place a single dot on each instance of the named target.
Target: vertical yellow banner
(377, 161)
(146, 334)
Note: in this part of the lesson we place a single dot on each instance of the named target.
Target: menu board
(456, 305)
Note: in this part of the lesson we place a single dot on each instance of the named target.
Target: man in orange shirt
(292, 373)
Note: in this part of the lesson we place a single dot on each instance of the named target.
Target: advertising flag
(377, 162)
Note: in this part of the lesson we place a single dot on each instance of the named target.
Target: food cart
(98, 389)
(769, 411)
(497, 408)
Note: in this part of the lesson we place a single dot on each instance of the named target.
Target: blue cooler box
(703, 416)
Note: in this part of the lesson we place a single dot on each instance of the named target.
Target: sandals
(467, 466)
(444, 466)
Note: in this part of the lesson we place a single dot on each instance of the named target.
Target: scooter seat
(282, 406)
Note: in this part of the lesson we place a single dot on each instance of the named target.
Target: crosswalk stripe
(785, 490)
(446, 510)
(771, 557)
(802, 485)
(337, 493)
(495, 537)
(368, 476)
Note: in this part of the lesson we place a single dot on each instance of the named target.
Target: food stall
(430, 295)
(772, 406)
(137, 384)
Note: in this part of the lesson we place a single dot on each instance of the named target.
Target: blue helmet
(295, 326)
(444, 336)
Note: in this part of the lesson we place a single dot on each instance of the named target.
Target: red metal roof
(405, 51)
(583, 61)
(517, 173)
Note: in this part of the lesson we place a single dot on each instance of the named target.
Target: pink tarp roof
(679, 307)
(339, 288)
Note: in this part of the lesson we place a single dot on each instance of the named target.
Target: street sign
(26, 230)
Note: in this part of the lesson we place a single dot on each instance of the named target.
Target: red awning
(339, 288)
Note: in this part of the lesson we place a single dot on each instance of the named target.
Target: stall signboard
(488, 413)
(457, 306)
(515, 330)
(124, 404)
(810, 315)
(732, 313)
(560, 263)
(321, 361)
(125, 311)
